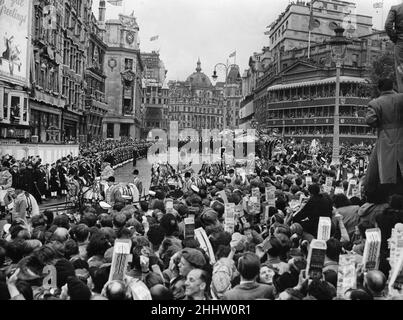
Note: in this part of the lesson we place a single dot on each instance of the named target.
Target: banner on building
(15, 40)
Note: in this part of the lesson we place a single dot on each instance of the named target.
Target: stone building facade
(123, 87)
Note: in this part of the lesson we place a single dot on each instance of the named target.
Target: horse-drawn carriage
(86, 195)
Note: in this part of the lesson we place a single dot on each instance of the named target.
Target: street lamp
(338, 45)
(227, 68)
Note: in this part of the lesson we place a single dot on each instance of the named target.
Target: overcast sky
(211, 29)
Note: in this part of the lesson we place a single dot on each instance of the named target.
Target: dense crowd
(218, 233)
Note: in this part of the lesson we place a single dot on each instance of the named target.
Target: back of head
(314, 189)
(81, 232)
(99, 277)
(116, 290)
(321, 290)
(89, 219)
(375, 281)
(249, 266)
(119, 220)
(385, 84)
(160, 292)
(334, 249)
(169, 224)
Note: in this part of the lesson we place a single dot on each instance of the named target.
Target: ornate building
(290, 87)
(155, 93)
(123, 68)
(95, 100)
(196, 103)
(74, 29)
(299, 100)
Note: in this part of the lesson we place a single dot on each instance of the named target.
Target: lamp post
(227, 68)
(338, 45)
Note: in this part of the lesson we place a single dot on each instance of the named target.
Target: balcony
(326, 101)
(313, 121)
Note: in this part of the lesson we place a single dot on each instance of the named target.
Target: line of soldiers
(44, 181)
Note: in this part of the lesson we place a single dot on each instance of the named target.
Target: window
(66, 52)
(78, 63)
(109, 130)
(15, 109)
(355, 60)
(65, 90)
(5, 105)
(128, 64)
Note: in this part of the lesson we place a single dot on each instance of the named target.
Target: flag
(378, 5)
(154, 38)
(232, 54)
(115, 2)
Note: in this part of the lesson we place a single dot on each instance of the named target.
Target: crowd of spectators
(262, 255)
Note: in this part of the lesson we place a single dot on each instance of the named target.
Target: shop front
(14, 116)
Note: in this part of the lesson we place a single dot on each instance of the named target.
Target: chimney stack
(102, 10)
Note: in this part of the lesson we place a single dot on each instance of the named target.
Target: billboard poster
(15, 35)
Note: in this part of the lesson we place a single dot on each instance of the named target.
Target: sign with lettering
(270, 193)
(169, 206)
(120, 259)
(15, 25)
(189, 227)
(229, 225)
(372, 249)
(395, 258)
(316, 258)
(324, 227)
(346, 274)
(229, 210)
(353, 189)
(254, 205)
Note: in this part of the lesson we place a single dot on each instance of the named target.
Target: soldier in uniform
(54, 181)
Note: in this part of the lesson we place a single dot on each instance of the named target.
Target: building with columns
(196, 103)
(123, 69)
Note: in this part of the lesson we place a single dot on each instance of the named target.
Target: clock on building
(130, 37)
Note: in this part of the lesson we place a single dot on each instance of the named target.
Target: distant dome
(198, 79)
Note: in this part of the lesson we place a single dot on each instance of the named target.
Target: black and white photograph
(209, 157)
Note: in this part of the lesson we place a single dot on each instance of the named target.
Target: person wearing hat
(190, 259)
